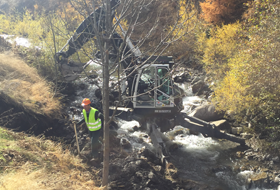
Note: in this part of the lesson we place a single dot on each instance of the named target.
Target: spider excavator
(154, 99)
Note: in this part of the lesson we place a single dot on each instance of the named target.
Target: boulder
(275, 159)
(277, 179)
(198, 86)
(258, 178)
(125, 143)
(183, 77)
(207, 112)
(178, 79)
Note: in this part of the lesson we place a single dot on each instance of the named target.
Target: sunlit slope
(25, 86)
(35, 163)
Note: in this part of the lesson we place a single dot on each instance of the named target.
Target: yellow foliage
(245, 65)
(219, 48)
(187, 21)
(185, 33)
(4, 24)
(232, 94)
(27, 26)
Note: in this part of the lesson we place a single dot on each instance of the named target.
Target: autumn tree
(222, 11)
(189, 27)
(219, 49)
(243, 61)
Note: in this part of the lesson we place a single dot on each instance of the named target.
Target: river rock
(277, 179)
(258, 178)
(93, 76)
(134, 173)
(207, 112)
(98, 93)
(197, 86)
(275, 159)
(159, 168)
(200, 88)
(172, 147)
(125, 143)
(183, 77)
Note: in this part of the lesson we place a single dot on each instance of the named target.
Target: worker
(93, 119)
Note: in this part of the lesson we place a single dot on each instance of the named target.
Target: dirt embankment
(27, 101)
(15, 116)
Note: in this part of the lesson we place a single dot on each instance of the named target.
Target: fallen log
(205, 128)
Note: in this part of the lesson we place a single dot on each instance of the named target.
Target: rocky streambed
(195, 162)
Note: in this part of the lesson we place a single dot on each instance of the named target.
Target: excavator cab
(153, 89)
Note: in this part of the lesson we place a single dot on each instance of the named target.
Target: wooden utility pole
(106, 93)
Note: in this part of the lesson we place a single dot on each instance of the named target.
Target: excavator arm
(86, 30)
(95, 22)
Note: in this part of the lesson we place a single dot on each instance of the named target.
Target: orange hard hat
(85, 101)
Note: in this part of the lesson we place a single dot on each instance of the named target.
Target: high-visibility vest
(92, 124)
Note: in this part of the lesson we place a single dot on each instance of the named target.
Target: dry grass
(24, 179)
(23, 83)
(35, 163)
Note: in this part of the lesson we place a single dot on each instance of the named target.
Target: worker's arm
(98, 115)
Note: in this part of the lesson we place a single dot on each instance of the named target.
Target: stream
(206, 160)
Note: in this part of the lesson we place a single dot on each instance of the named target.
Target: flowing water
(206, 160)
(201, 159)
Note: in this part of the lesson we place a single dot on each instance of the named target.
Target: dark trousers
(95, 143)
